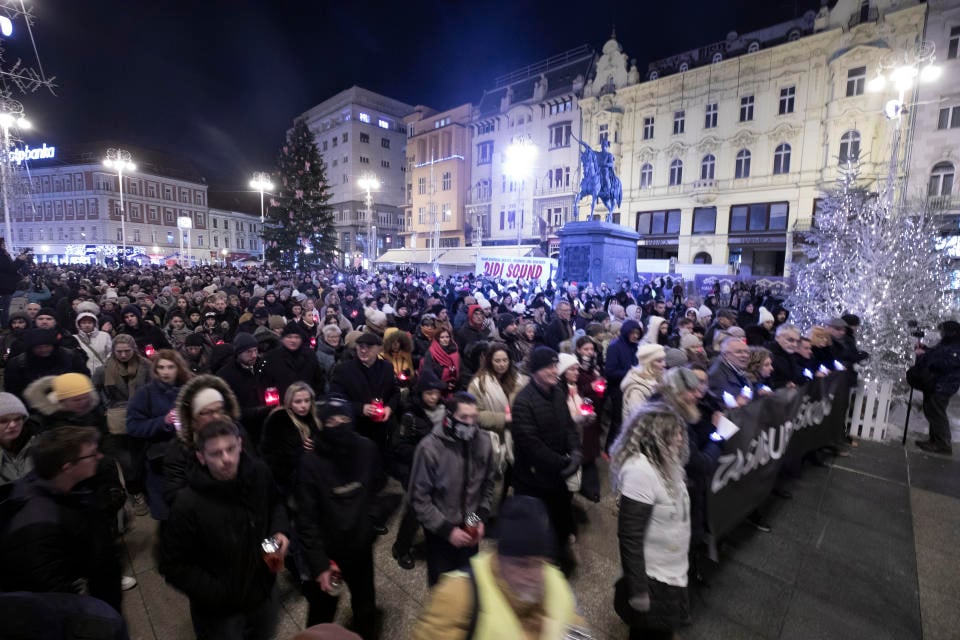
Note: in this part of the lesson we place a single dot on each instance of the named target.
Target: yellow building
(438, 177)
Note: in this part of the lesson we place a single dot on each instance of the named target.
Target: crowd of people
(258, 415)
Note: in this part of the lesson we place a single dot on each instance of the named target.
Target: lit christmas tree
(299, 223)
(882, 263)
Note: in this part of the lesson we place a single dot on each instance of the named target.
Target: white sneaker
(128, 582)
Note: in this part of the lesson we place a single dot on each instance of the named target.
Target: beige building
(438, 175)
(724, 151)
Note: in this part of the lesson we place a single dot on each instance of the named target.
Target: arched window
(753, 47)
(646, 176)
(684, 67)
(676, 173)
(849, 147)
(793, 36)
(717, 57)
(707, 167)
(941, 180)
(781, 159)
(742, 169)
(654, 75)
(703, 258)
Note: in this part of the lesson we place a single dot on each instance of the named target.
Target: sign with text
(539, 269)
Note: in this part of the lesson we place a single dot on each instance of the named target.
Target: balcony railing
(705, 190)
(942, 203)
(860, 17)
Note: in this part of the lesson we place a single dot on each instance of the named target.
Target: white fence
(869, 414)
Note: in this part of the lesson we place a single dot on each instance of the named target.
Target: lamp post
(261, 182)
(904, 70)
(184, 222)
(518, 165)
(370, 183)
(120, 160)
(11, 116)
(223, 252)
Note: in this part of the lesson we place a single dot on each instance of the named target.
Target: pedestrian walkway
(868, 548)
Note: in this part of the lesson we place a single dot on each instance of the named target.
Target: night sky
(220, 81)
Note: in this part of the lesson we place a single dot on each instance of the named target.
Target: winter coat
(450, 479)
(211, 550)
(281, 446)
(148, 410)
(492, 401)
(545, 438)
(46, 413)
(637, 389)
(361, 385)
(621, 355)
(96, 344)
(282, 367)
(27, 367)
(785, 369)
(415, 425)
(336, 488)
(724, 378)
(556, 332)
(943, 362)
(16, 463)
(145, 334)
(326, 358)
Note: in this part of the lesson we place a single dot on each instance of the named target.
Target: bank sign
(18, 155)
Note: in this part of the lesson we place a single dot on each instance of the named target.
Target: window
(345, 138)
(684, 67)
(422, 186)
(705, 220)
(648, 128)
(421, 215)
(941, 180)
(324, 145)
(363, 160)
(707, 167)
(385, 164)
(849, 147)
(385, 143)
(953, 45)
(447, 213)
(676, 173)
(742, 168)
(710, 118)
(383, 124)
(787, 97)
(485, 153)
(333, 142)
(646, 176)
(364, 117)
(856, 81)
(781, 159)
(169, 237)
(764, 216)
(560, 135)
(365, 138)
(679, 119)
(659, 222)
(949, 118)
(446, 181)
(702, 258)
(746, 108)
(604, 134)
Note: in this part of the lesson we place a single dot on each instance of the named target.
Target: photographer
(11, 272)
(937, 372)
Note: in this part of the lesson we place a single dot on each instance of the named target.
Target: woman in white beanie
(641, 381)
(15, 441)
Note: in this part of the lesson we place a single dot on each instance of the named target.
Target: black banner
(774, 429)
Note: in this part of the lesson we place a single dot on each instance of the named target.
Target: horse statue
(599, 181)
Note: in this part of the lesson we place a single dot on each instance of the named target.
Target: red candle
(271, 397)
(313, 343)
(378, 409)
(148, 350)
(403, 377)
(586, 409)
(599, 386)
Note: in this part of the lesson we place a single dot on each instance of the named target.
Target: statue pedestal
(597, 252)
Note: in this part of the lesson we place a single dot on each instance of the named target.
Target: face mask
(337, 436)
(462, 430)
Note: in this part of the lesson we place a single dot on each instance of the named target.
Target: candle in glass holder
(378, 412)
(586, 408)
(271, 397)
(599, 386)
(148, 350)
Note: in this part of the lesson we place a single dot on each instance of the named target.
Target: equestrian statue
(599, 181)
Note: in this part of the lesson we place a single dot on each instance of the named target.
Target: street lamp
(370, 183)
(120, 160)
(518, 165)
(224, 252)
(11, 117)
(903, 70)
(261, 182)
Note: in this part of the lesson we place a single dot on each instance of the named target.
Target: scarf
(116, 373)
(448, 360)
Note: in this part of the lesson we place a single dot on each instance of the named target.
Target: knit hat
(291, 328)
(376, 320)
(204, 398)
(647, 352)
(125, 338)
(504, 320)
(132, 308)
(11, 405)
(276, 323)
(261, 312)
(837, 323)
(429, 380)
(565, 361)
(704, 312)
(690, 341)
(524, 528)
(242, 342)
(736, 332)
(331, 330)
(71, 385)
(765, 316)
(542, 357)
(194, 340)
(680, 379)
(47, 311)
(675, 357)
(36, 337)
(334, 405)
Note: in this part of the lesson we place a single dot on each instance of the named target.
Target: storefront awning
(405, 256)
(467, 256)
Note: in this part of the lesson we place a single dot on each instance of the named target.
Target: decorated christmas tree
(299, 223)
(865, 256)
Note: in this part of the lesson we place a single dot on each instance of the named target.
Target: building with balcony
(361, 134)
(724, 151)
(536, 105)
(438, 172)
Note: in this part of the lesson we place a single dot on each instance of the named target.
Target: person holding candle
(398, 350)
(592, 387)
(641, 380)
(288, 432)
(443, 358)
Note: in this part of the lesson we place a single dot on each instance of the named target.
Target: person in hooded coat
(621, 357)
(43, 357)
(95, 343)
(143, 332)
(291, 361)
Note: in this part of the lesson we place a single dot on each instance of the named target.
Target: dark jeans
(935, 410)
(443, 556)
(357, 571)
(406, 530)
(254, 624)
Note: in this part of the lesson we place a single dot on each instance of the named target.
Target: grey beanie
(11, 405)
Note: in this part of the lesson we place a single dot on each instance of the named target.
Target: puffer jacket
(943, 361)
(450, 479)
(47, 414)
(545, 438)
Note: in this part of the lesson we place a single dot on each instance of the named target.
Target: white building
(724, 151)
(360, 134)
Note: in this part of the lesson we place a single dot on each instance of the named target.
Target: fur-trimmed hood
(394, 335)
(185, 397)
(40, 398)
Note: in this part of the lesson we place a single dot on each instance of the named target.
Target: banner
(539, 269)
(774, 430)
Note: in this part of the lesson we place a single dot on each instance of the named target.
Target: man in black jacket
(786, 371)
(242, 375)
(291, 361)
(337, 488)
(547, 447)
(43, 357)
(211, 547)
(144, 333)
(942, 364)
(560, 328)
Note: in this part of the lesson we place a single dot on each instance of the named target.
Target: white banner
(539, 269)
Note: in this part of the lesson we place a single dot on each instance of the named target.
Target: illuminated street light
(370, 183)
(518, 163)
(261, 182)
(11, 117)
(120, 161)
